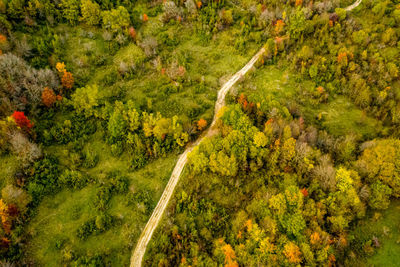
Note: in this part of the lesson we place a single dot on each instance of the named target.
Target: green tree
(116, 19)
(91, 12)
(380, 196)
(85, 99)
(381, 162)
(70, 10)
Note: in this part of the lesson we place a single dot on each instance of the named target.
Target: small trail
(144, 239)
(353, 6)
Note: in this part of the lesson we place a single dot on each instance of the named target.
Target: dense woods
(97, 99)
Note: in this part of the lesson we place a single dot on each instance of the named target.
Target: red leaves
(132, 33)
(304, 191)
(22, 121)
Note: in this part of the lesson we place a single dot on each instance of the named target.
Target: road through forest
(137, 256)
(144, 239)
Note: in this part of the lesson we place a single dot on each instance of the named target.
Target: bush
(74, 179)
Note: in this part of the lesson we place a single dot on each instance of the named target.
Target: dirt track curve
(144, 239)
(137, 256)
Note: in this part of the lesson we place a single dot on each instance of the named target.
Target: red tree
(22, 121)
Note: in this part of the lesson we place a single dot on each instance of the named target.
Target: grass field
(52, 233)
(339, 116)
(53, 229)
(386, 228)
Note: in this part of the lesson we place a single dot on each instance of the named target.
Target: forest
(100, 98)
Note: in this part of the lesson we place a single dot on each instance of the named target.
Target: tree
(201, 124)
(26, 150)
(292, 253)
(4, 215)
(60, 66)
(132, 33)
(380, 196)
(17, 196)
(22, 121)
(85, 99)
(380, 162)
(70, 10)
(67, 80)
(297, 24)
(48, 97)
(260, 139)
(229, 256)
(91, 13)
(116, 19)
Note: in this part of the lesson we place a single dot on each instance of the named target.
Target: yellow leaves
(279, 26)
(248, 225)
(229, 256)
(60, 66)
(260, 140)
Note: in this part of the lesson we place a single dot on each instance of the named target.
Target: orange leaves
(201, 124)
(3, 38)
(67, 80)
(48, 97)
(229, 256)
(145, 17)
(292, 253)
(199, 4)
(315, 238)
(5, 218)
(249, 225)
(299, 2)
(279, 26)
(342, 58)
(320, 89)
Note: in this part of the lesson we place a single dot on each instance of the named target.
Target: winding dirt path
(353, 6)
(144, 239)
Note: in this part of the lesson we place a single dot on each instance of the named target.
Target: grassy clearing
(53, 229)
(339, 116)
(387, 230)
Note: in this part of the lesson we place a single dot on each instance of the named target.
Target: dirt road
(353, 6)
(138, 253)
(144, 239)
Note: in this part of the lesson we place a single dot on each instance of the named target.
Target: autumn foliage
(48, 97)
(67, 80)
(145, 17)
(3, 38)
(201, 124)
(229, 256)
(21, 120)
(292, 253)
(132, 33)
